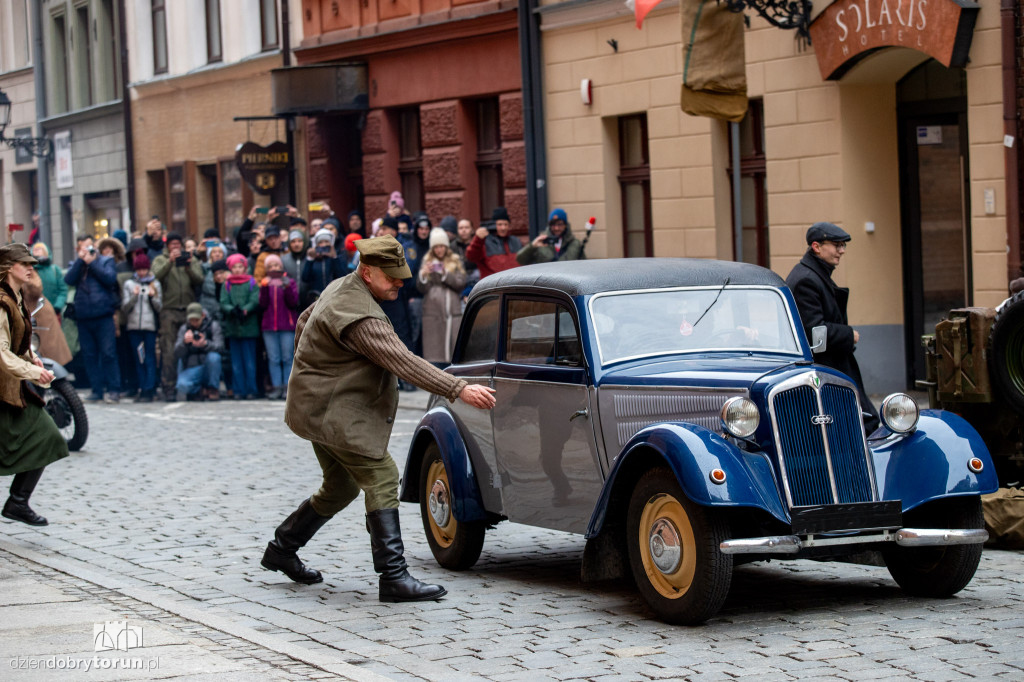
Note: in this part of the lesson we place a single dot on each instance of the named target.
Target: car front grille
(821, 442)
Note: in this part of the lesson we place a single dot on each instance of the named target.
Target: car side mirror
(819, 336)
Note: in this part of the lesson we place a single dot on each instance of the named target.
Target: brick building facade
(444, 124)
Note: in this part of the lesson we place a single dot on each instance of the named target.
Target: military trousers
(346, 473)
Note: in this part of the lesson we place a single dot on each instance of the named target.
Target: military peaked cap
(386, 253)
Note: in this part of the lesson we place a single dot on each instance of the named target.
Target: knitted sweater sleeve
(380, 344)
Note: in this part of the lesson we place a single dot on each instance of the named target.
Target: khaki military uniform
(342, 402)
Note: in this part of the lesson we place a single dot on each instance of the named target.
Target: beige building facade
(195, 68)
(904, 153)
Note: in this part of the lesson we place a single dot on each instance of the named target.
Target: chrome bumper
(905, 537)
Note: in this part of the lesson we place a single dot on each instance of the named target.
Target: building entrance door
(934, 202)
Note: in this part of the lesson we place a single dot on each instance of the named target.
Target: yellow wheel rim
(667, 546)
(443, 525)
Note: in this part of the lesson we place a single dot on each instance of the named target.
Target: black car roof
(584, 277)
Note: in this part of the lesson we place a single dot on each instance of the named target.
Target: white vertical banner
(62, 159)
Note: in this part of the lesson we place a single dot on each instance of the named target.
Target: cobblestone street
(162, 520)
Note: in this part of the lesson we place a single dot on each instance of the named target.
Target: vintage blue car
(670, 410)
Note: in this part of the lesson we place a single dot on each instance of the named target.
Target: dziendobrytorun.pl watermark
(108, 636)
(83, 664)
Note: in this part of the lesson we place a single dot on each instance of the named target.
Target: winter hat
(121, 236)
(194, 311)
(140, 262)
(218, 265)
(350, 241)
(450, 224)
(389, 221)
(137, 244)
(236, 258)
(173, 237)
(396, 198)
(438, 236)
(333, 221)
(298, 220)
(500, 213)
(324, 235)
(271, 231)
(211, 233)
(558, 214)
(272, 260)
(114, 244)
(296, 234)
(419, 218)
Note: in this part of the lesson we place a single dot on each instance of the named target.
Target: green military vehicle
(975, 367)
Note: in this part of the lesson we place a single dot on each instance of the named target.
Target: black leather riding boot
(389, 561)
(17, 508)
(294, 533)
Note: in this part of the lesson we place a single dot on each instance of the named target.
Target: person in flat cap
(822, 302)
(343, 396)
(30, 440)
(494, 251)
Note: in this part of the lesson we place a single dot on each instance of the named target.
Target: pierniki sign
(849, 30)
(263, 167)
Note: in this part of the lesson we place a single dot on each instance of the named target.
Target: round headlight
(899, 413)
(740, 416)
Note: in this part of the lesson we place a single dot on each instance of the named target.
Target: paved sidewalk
(161, 521)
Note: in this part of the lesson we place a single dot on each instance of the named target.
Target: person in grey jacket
(140, 302)
(197, 350)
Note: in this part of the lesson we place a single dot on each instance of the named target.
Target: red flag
(641, 8)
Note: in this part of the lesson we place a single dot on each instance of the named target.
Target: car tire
(456, 545)
(937, 571)
(67, 411)
(1006, 353)
(685, 587)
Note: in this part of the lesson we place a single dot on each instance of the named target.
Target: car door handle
(579, 413)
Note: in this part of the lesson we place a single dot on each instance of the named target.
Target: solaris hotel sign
(849, 30)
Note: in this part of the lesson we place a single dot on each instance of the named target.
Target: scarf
(239, 279)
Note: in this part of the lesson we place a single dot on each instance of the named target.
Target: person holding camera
(140, 303)
(494, 251)
(197, 348)
(96, 298)
(441, 279)
(557, 243)
(180, 274)
(322, 267)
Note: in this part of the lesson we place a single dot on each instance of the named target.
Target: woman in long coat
(30, 440)
(441, 278)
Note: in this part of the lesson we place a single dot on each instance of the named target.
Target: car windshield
(668, 321)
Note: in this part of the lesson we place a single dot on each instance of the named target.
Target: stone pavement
(160, 522)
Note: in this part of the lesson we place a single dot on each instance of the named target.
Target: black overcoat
(821, 302)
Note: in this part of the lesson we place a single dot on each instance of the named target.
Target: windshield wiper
(717, 296)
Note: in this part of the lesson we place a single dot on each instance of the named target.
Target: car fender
(692, 452)
(932, 461)
(439, 425)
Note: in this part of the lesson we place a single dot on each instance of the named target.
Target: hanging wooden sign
(263, 167)
(849, 30)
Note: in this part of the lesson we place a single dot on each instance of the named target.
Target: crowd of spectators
(159, 315)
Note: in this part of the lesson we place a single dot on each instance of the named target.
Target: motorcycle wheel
(68, 412)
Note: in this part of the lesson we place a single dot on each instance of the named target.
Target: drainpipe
(533, 115)
(289, 122)
(126, 109)
(1011, 96)
(42, 163)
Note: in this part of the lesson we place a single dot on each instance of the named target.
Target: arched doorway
(934, 201)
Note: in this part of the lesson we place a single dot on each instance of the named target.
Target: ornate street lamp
(36, 146)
